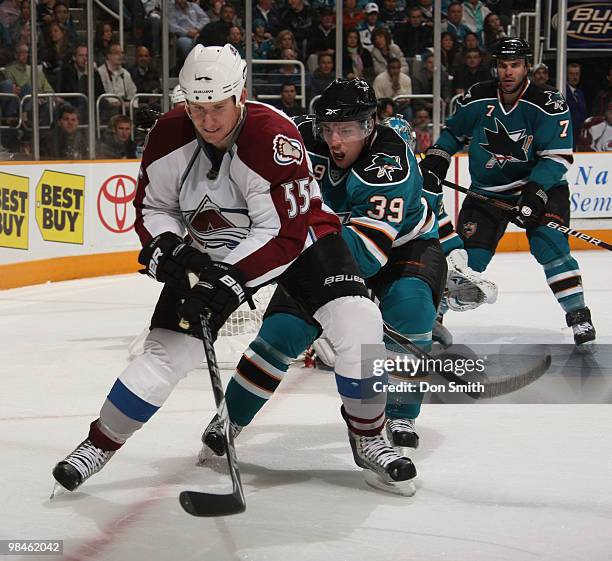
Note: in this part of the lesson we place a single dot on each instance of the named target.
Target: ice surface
(496, 482)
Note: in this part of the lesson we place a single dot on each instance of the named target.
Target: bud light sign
(589, 25)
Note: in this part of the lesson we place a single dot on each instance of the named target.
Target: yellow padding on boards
(66, 268)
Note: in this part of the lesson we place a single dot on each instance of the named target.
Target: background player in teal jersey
(520, 148)
(368, 175)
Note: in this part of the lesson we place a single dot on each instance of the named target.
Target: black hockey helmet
(513, 48)
(346, 100)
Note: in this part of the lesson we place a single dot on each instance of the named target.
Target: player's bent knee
(175, 353)
(287, 334)
(547, 245)
(350, 322)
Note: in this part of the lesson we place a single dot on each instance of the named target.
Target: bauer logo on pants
(469, 229)
(60, 207)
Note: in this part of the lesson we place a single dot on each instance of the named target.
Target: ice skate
(383, 467)
(212, 439)
(402, 435)
(80, 465)
(582, 326)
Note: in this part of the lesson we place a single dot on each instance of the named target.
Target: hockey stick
(492, 389)
(198, 503)
(509, 208)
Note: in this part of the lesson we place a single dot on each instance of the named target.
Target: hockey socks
(563, 278)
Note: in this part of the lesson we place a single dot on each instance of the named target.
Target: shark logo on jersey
(556, 100)
(287, 150)
(385, 165)
(215, 227)
(506, 146)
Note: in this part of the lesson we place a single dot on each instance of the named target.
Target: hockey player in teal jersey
(368, 175)
(520, 148)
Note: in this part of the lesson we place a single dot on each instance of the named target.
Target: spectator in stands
(152, 25)
(423, 130)
(145, 77)
(56, 52)
(392, 83)
(449, 50)
(288, 104)
(474, 14)
(299, 18)
(10, 11)
(235, 38)
(492, 32)
(6, 46)
(73, 79)
(45, 12)
(367, 27)
(454, 22)
(417, 37)
(603, 96)
(284, 40)
(186, 21)
(289, 73)
(385, 107)
(384, 50)
(422, 83)
(65, 140)
(427, 10)
(352, 15)
(116, 80)
(262, 45)
(356, 61)
(266, 11)
(323, 76)
(503, 8)
(540, 76)
(470, 41)
(102, 40)
(472, 72)
(322, 37)
(392, 15)
(215, 33)
(596, 134)
(575, 99)
(116, 142)
(61, 14)
(20, 27)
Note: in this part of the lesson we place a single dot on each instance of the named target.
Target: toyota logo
(114, 203)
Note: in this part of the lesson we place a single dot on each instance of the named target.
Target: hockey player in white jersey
(225, 191)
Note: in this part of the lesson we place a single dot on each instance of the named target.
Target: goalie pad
(466, 289)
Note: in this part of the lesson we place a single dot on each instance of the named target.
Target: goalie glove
(466, 289)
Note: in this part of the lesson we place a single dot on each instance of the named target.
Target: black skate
(402, 435)
(582, 326)
(383, 467)
(213, 441)
(80, 465)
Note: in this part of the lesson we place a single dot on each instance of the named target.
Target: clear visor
(345, 131)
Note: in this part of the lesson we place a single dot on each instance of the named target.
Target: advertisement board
(589, 25)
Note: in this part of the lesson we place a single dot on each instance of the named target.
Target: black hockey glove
(530, 206)
(219, 292)
(168, 259)
(433, 168)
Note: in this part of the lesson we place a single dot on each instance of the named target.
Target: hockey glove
(434, 167)
(219, 292)
(168, 259)
(530, 206)
(466, 289)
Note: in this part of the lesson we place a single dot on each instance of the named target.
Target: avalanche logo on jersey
(216, 227)
(385, 165)
(506, 146)
(287, 151)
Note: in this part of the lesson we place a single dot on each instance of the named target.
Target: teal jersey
(379, 198)
(530, 142)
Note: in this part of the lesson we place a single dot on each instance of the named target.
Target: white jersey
(256, 206)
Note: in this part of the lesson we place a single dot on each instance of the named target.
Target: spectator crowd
(389, 43)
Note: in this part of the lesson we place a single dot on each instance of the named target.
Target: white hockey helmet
(177, 95)
(212, 74)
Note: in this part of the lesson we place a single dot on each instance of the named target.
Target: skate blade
(588, 348)
(205, 456)
(403, 488)
(405, 451)
(57, 491)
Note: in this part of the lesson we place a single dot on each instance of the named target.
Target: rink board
(75, 219)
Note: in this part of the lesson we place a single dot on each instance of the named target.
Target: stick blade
(209, 504)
